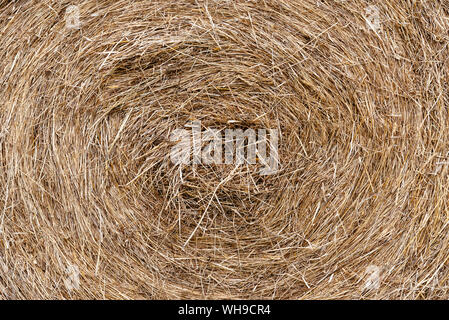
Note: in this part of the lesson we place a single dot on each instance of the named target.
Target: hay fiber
(92, 207)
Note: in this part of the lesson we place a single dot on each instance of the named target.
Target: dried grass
(85, 178)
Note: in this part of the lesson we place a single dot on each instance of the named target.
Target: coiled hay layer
(91, 206)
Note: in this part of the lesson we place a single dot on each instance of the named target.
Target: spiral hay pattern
(92, 207)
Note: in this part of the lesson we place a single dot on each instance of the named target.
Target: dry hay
(358, 209)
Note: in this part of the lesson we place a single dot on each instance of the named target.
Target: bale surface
(92, 207)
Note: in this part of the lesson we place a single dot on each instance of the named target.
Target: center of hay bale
(92, 94)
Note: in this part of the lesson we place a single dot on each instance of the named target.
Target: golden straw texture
(92, 207)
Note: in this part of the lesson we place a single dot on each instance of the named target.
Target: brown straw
(91, 206)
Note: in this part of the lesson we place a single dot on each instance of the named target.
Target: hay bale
(92, 207)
